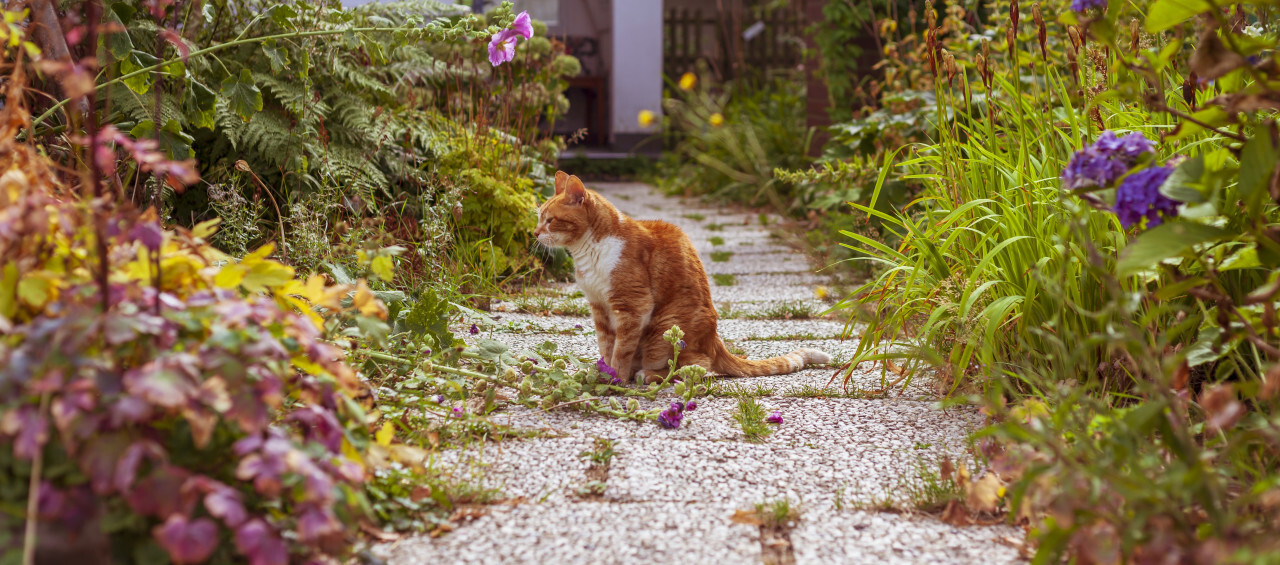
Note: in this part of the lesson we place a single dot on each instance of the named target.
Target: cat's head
(566, 217)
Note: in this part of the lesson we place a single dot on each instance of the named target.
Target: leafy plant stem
(33, 496)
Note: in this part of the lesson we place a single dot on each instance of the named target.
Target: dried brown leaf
(984, 493)
(956, 514)
(1221, 408)
(748, 517)
(1212, 59)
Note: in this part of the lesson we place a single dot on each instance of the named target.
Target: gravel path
(670, 494)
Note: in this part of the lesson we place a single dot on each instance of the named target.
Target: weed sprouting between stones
(724, 279)
(716, 240)
(775, 519)
(721, 256)
(695, 217)
(750, 416)
(738, 389)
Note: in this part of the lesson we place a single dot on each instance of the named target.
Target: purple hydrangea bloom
(1082, 6)
(605, 369)
(1130, 146)
(1139, 197)
(1106, 160)
(774, 418)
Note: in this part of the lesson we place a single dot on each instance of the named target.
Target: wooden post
(816, 101)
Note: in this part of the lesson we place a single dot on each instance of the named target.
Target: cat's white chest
(594, 264)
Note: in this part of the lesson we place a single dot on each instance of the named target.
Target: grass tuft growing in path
(750, 417)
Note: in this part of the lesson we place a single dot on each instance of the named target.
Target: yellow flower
(716, 119)
(646, 118)
(1000, 492)
(688, 81)
(821, 292)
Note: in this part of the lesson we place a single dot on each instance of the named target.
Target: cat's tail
(724, 362)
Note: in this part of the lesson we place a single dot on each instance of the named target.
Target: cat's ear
(575, 193)
(562, 180)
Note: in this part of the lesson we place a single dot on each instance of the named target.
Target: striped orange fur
(641, 278)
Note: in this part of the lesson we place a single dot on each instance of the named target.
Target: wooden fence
(717, 38)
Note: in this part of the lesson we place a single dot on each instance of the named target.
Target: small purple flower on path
(670, 418)
(604, 368)
(458, 413)
(691, 406)
(439, 398)
(1139, 197)
(774, 418)
(616, 381)
(474, 329)
(502, 47)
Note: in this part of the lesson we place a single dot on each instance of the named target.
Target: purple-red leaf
(258, 542)
(225, 504)
(187, 541)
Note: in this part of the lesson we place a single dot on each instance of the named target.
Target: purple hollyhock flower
(474, 330)
(1139, 197)
(774, 418)
(502, 47)
(604, 368)
(1082, 6)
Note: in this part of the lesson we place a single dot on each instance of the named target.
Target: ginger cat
(641, 278)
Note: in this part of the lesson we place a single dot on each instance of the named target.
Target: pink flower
(502, 47)
(523, 25)
(774, 418)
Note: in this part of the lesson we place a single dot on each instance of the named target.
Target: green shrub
(730, 142)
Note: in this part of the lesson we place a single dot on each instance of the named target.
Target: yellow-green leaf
(1165, 14)
(266, 274)
(383, 267)
(34, 291)
(384, 435)
(206, 229)
(230, 276)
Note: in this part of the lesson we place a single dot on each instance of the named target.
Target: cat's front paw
(647, 376)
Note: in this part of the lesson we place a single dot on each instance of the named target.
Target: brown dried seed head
(1074, 34)
(1134, 36)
